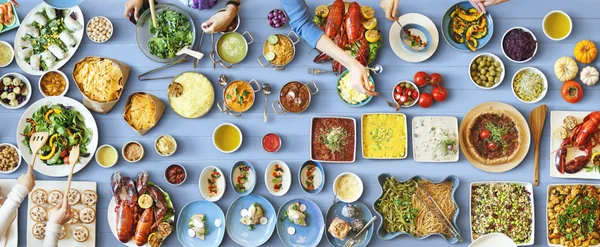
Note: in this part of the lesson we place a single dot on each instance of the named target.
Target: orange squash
(585, 51)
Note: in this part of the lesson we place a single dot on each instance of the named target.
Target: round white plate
(409, 56)
(58, 170)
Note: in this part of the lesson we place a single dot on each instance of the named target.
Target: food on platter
(582, 134)
(585, 51)
(13, 91)
(468, 26)
(357, 225)
(296, 213)
(311, 176)
(348, 93)
(63, 233)
(384, 136)
(435, 139)
(571, 91)
(39, 196)
(406, 93)
(416, 39)
(191, 95)
(9, 158)
(38, 214)
(254, 215)
(529, 85)
(197, 226)
(493, 137)
(81, 233)
(295, 97)
(106, 156)
(232, 47)
(572, 212)
(55, 197)
(67, 129)
(565, 68)
(73, 197)
(213, 189)
(7, 15)
(333, 139)
(243, 175)
(227, 138)
(279, 49)
(519, 44)
(277, 18)
(570, 122)
(348, 186)
(87, 215)
(427, 222)
(172, 33)
(277, 177)
(561, 133)
(99, 29)
(589, 76)
(239, 96)
(133, 151)
(557, 25)
(339, 228)
(6, 53)
(53, 83)
(39, 230)
(271, 142)
(89, 197)
(175, 174)
(165, 145)
(487, 71)
(400, 218)
(506, 208)
(74, 217)
(99, 79)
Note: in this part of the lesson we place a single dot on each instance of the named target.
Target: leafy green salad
(173, 33)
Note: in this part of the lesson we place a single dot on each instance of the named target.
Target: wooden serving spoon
(536, 123)
(153, 13)
(73, 157)
(36, 141)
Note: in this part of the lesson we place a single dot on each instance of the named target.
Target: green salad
(66, 128)
(173, 33)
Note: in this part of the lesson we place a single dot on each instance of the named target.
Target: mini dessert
(39, 196)
(74, 217)
(63, 232)
(89, 197)
(357, 225)
(73, 197)
(296, 213)
(80, 233)
(339, 228)
(55, 197)
(39, 231)
(196, 226)
(38, 214)
(252, 216)
(350, 211)
(87, 215)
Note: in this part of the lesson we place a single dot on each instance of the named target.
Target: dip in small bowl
(348, 187)
(106, 156)
(165, 145)
(132, 151)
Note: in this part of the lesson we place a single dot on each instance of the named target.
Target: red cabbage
(519, 45)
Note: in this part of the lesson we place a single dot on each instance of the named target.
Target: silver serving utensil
(395, 105)
(334, 197)
(212, 53)
(223, 82)
(266, 88)
(439, 214)
(403, 34)
(198, 48)
(356, 237)
(377, 69)
(182, 60)
(314, 71)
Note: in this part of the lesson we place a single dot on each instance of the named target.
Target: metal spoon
(266, 88)
(377, 69)
(223, 82)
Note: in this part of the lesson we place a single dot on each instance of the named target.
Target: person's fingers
(127, 12)
(476, 5)
(388, 14)
(482, 7)
(65, 202)
(395, 10)
(137, 13)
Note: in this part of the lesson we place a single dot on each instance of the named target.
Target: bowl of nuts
(15, 90)
(99, 29)
(10, 158)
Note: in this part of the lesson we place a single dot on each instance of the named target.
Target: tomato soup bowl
(229, 104)
(283, 104)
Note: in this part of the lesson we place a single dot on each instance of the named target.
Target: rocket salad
(173, 33)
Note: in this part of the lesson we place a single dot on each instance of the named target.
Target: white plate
(362, 136)
(68, 240)
(203, 184)
(311, 140)
(556, 120)
(493, 240)
(451, 122)
(78, 35)
(527, 186)
(12, 238)
(58, 170)
(403, 53)
(287, 178)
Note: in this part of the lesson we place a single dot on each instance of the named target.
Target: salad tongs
(182, 60)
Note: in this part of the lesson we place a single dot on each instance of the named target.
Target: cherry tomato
(426, 100)
(63, 153)
(485, 134)
(398, 89)
(403, 99)
(66, 160)
(397, 97)
(492, 146)
(572, 91)
(421, 79)
(439, 93)
(436, 79)
(414, 94)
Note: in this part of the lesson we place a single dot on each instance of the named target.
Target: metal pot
(282, 109)
(229, 64)
(280, 66)
(222, 104)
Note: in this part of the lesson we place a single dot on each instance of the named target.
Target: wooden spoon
(536, 123)
(73, 157)
(36, 141)
(153, 13)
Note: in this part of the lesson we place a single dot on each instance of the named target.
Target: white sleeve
(12, 203)
(52, 231)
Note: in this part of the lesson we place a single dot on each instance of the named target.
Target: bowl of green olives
(486, 71)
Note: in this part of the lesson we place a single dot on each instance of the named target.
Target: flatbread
(480, 154)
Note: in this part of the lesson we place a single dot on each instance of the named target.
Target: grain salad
(435, 139)
(528, 85)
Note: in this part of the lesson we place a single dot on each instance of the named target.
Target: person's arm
(57, 217)
(480, 5)
(133, 7)
(12, 203)
(221, 20)
(390, 8)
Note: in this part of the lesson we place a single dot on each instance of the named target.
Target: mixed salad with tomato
(242, 178)
(213, 189)
(277, 178)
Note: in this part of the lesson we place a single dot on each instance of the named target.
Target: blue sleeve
(301, 21)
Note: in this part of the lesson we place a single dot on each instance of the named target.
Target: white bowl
(411, 83)
(570, 24)
(536, 71)
(239, 131)
(287, 178)
(184, 172)
(360, 187)
(496, 58)
(29, 90)
(63, 75)
(165, 155)
(18, 154)
(123, 151)
(526, 30)
(112, 30)
(111, 147)
(12, 54)
(493, 240)
(203, 184)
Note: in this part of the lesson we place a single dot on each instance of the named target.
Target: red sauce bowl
(271, 142)
(175, 174)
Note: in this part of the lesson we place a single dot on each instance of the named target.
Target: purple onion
(277, 25)
(283, 19)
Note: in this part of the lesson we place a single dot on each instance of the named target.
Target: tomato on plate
(426, 100)
(436, 79)
(572, 91)
(439, 93)
(485, 134)
(492, 146)
(421, 78)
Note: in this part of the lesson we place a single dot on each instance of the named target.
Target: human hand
(390, 8)
(219, 21)
(27, 180)
(359, 79)
(480, 5)
(61, 213)
(133, 7)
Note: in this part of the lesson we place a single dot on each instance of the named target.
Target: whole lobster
(334, 20)
(126, 210)
(354, 27)
(144, 227)
(582, 139)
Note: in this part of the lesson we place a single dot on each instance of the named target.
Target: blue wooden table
(194, 135)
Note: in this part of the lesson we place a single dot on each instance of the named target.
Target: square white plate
(452, 123)
(362, 136)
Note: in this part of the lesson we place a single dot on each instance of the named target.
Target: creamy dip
(435, 139)
(348, 187)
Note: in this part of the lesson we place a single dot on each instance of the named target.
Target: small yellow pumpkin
(585, 51)
(565, 68)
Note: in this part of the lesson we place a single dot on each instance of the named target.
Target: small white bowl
(29, 90)
(537, 71)
(360, 187)
(12, 54)
(123, 151)
(411, 83)
(165, 155)
(184, 172)
(526, 30)
(239, 131)
(570, 24)
(495, 58)
(111, 28)
(18, 154)
(111, 147)
(287, 178)
(203, 184)
(63, 75)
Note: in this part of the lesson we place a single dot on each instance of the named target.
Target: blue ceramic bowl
(63, 4)
(309, 235)
(336, 211)
(233, 178)
(447, 28)
(382, 234)
(359, 104)
(319, 170)
(212, 213)
(240, 233)
(416, 29)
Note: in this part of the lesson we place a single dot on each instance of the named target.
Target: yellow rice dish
(384, 136)
(191, 95)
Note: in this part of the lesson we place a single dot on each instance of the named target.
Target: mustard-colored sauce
(227, 138)
(107, 156)
(347, 187)
(557, 25)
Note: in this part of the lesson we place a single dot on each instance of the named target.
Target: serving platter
(452, 123)
(396, 42)
(405, 134)
(240, 233)
(522, 126)
(311, 139)
(309, 235)
(212, 212)
(336, 211)
(11, 238)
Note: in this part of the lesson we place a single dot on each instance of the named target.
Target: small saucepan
(279, 50)
(294, 97)
(238, 97)
(232, 48)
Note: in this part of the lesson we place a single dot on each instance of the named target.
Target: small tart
(80, 233)
(74, 217)
(74, 196)
(38, 214)
(63, 232)
(87, 215)
(55, 197)
(39, 231)
(39, 196)
(89, 197)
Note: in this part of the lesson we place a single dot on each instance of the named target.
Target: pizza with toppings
(493, 137)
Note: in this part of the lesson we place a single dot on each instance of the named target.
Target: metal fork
(355, 239)
(314, 71)
(403, 34)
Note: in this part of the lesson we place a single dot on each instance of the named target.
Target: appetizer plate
(318, 177)
(423, 133)
(239, 232)
(309, 235)
(556, 120)
(12, 234)
(58, 170)
(493, 240)
(446, 28)
(311, 139)
(235, 173)
(396, 42)
(212, 212)
(527, 186)
(522, 126)
(15, 24)
(384, 235)
(402, 142)
(78, 35)
(285, 183)
(336, 211)
(203, 184)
